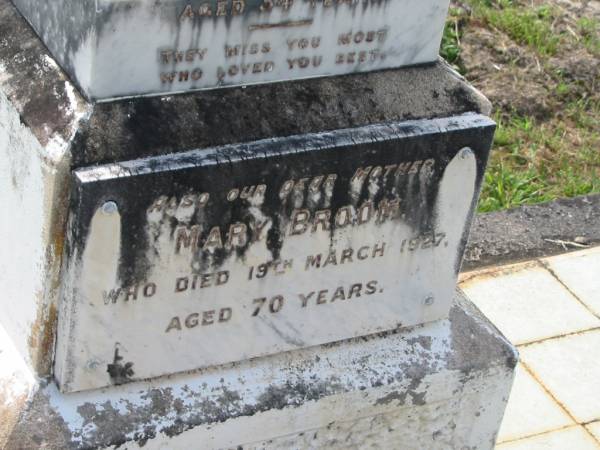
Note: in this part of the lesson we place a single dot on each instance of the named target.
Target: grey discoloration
(274, 161)
(154, 126)
(384, 363)
(135, 186)
(392, 397)
(423, 341)
(528, 231)
(91, 39)
(414, 374)
(66, 27)
(39, 426)
(50, 107)
(32, 81)
(120, 372)
(144, 127)
(475, 349)
(477, 340)
(220, 405)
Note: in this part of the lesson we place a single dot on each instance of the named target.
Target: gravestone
(271, 266)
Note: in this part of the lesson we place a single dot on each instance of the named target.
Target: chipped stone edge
(485, 106)
(38, 161)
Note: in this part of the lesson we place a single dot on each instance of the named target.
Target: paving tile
(569, 367)
(594, 428)
(580, 271)
(490, 270)
(530, 410)
(528, 304)
(574, 438)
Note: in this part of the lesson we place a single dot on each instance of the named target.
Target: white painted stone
(438, 386)
(119, 48)
(222, 324)
(33, 186)
(17, 377)
(17, 384)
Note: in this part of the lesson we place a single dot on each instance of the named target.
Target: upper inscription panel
(213, 256)
(120, 48)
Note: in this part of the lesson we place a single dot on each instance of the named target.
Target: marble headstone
(212, 256)
(121, 48)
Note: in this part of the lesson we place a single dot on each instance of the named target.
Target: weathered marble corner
(40, 112)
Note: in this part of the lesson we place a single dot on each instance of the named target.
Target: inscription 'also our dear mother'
(200, 238)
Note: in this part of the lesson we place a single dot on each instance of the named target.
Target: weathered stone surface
(219, 255)
(48, 130)
(452, 374)
(141, 127)
(436, 386)
(154, 126)
(36, 132)
(122, 48)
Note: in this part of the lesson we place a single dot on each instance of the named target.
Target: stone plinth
(437, 386)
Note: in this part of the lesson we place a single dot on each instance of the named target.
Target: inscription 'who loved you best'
(300, 51)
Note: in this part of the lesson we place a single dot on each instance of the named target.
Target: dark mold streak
(272, 162)
(120, 373)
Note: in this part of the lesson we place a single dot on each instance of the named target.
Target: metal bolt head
(110, 208)
(464, 153)
(429, 301)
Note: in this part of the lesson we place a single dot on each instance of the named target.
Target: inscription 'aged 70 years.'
(214, 256)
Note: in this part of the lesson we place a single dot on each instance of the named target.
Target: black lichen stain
(120, 373)
(272, 163)
(395, 395)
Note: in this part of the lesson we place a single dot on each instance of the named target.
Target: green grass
(589, 29)
(525, 25)
(450, 48)
(506, 188)
(534, 162)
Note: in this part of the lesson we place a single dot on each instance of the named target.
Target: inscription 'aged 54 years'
(219, 255)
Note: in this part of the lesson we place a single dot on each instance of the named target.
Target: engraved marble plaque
(213, 256)
(120, 48)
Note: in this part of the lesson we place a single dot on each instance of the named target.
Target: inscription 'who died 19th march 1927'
(219, 255)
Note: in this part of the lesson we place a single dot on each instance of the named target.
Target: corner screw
(465, 152)
(110, 208)
(429, 301)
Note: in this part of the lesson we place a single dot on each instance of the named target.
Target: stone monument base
(443, 385)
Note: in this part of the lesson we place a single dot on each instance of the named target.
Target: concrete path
(550, 309)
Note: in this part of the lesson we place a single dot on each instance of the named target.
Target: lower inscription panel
(213, 256)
